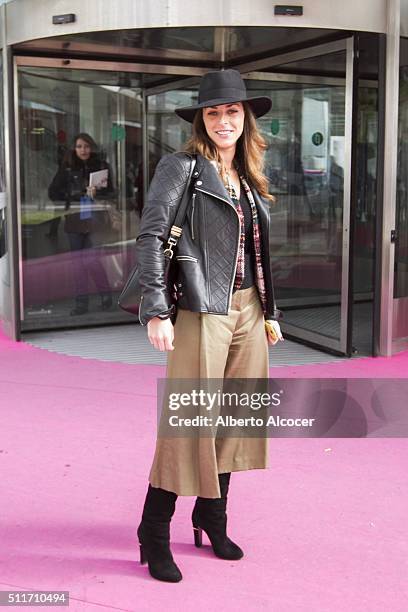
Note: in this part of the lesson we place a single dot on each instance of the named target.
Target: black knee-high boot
(154, 535)
(210, 515)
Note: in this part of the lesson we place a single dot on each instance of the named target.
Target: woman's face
(83, 149)
(224, 124)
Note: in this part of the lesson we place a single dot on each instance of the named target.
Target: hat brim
(259, 105)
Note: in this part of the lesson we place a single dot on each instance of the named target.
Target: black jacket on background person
(69, 185)
(206, 253)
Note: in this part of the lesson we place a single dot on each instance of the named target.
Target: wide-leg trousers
(216, 347)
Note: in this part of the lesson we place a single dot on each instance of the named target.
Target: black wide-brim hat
(224, 87)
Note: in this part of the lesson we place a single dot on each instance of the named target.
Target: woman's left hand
(273, 332)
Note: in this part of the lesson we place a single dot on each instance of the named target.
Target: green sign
(275, 127)
(118, 132)
(317, 138)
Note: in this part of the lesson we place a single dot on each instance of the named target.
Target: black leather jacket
(207, 251)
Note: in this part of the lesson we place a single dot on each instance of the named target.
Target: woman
(71, 185)
(224, 293)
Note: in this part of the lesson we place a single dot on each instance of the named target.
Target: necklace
(228, 182)
(230, 187)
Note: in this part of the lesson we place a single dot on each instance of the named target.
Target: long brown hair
(71, 159)
(249, 153)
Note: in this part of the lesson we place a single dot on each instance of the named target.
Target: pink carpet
(323, 529)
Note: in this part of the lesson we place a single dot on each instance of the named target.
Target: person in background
(71, 185)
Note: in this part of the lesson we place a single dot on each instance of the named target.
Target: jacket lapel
(261, 205)
(210, 181)
(263, 209)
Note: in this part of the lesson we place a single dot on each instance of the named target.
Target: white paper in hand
(99, 179)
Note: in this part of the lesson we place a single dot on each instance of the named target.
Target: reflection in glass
(87, 206)
(5, 297)
(2, 181)
(188, 39)
(367, 142)
(167, 133)
(401, 247)
(305, 165)
(243, 41)
(77, 247)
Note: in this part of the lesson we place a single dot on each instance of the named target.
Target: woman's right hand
(161, 334)
(91, 192)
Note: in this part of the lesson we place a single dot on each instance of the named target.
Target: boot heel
(198, 536)
(143, 559)
(153, 535)
(209, 515)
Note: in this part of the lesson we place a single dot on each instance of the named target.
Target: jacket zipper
(239, 236)
(140, 308)
(192, 215)
(186, 258)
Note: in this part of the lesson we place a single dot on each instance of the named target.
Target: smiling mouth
(223, 132)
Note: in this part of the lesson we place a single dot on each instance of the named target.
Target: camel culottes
(213, 346)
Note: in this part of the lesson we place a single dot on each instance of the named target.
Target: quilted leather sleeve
(274, 316)
(159, 211)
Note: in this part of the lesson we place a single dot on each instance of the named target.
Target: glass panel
(365, 218)
(207, 42)
(2, 178)
(189, 39)
(166, 131)
(5, 297)
(77, 252)
(366, 205)
(332, 64)
(246, 41)
(401, 247)
(305, 164)
(56, 79)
